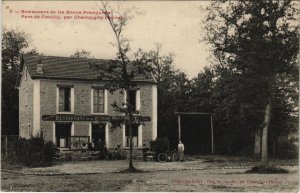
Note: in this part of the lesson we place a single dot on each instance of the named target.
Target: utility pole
(179, 128)
(212, 135)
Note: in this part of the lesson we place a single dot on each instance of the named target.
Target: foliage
(172, 87)
(49, 150)
(255, 47)
(13, 44)
(202, 89)
(267, 169)
(81, 54)
(32, 152)
(152, 145)
(160, 145)
(286, 149)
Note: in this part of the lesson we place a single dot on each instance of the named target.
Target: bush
(32, 152)
(49, 150)
(287, 149)
(160, 145)
(267, 169)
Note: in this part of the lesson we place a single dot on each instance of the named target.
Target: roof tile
(56, 67)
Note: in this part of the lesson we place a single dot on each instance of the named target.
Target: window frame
(71, 99)
(139, 128)
(127, 136)
(104, 100)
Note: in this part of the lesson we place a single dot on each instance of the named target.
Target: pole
(6, 151)
(212, 135)
(179, 128)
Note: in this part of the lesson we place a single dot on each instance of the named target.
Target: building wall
(115, 137)
(146, 110)
(82, 106)
(81, 129)
(26, 105)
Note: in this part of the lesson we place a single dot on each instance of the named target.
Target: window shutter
(101, 101)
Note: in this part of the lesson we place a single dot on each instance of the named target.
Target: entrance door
(62, 134)
(98, 133)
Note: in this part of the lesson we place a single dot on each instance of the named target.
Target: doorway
(62, 134)
(98, 133)
(196, 133)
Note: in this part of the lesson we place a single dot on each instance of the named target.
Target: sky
(176, 25)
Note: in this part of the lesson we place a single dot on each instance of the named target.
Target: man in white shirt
(181, 151)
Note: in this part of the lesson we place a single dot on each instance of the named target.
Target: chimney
(39, 67)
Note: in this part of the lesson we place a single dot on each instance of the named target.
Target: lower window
(135, 139)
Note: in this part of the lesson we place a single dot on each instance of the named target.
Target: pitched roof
(55, 67)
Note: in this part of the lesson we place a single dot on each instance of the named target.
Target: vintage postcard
(150, 96)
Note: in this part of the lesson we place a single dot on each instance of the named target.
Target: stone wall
(25, 105)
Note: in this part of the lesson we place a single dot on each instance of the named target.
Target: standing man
(181, 151)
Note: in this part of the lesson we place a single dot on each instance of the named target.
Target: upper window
(98, 100)
(65, 99)
(132, 98)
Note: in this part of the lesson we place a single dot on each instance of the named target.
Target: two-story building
(62, 99)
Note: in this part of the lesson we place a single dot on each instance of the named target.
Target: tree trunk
(131, 148)
(117, 29)
(257, 143)
(228, 145)
(274, 147)
(264, 138)
(131, 167)
(131, 152)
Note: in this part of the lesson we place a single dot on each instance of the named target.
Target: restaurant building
(63, 99)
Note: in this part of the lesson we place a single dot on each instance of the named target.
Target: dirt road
(190, 180)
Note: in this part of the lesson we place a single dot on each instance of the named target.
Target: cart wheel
(162, 157)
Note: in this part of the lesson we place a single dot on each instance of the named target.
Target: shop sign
(98, 118)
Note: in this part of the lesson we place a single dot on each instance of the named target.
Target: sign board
(99, 118)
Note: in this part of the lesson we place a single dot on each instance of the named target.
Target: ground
(195, 175)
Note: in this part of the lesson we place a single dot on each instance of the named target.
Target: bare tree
(122, 72)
